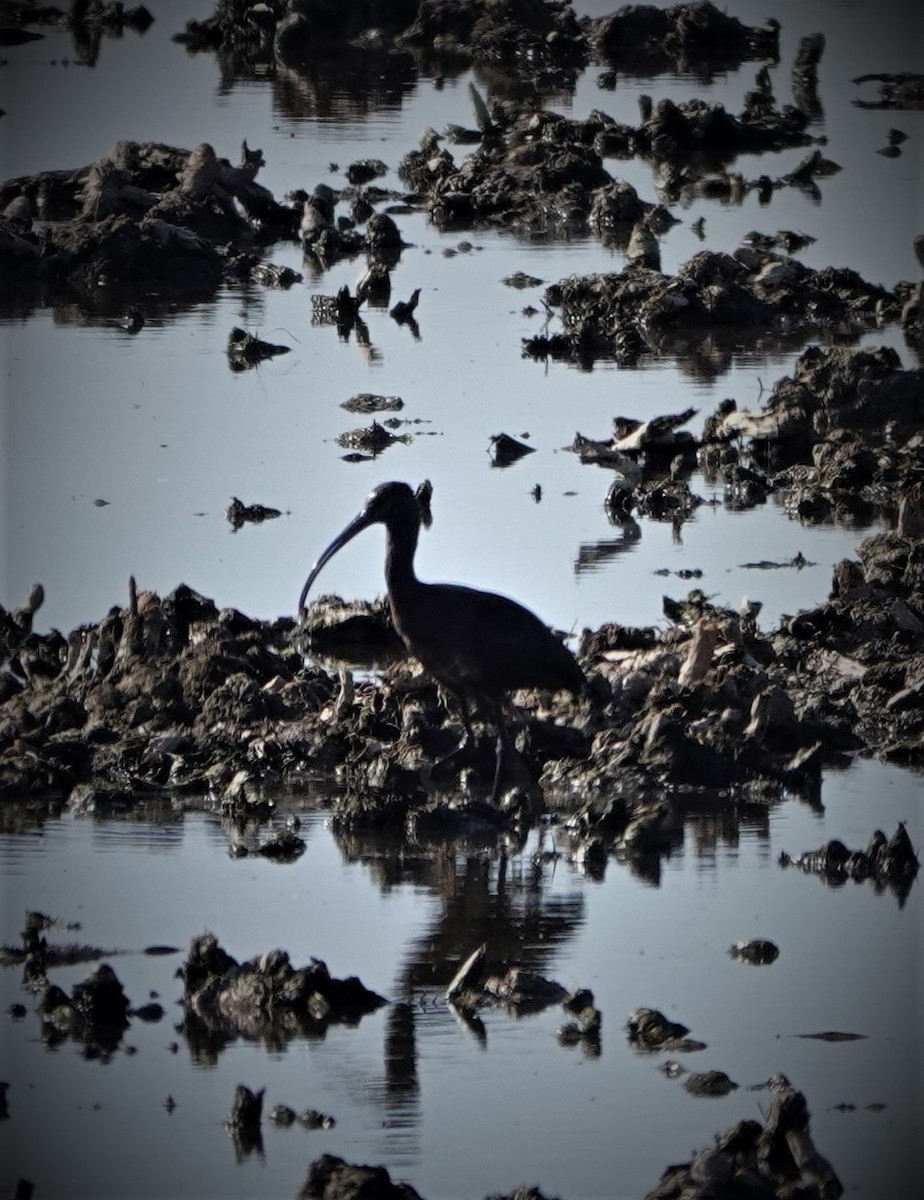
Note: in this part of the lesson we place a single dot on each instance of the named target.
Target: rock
(266, 997)
(755, 950)
(887, 862)
(650, 1030)
(709, 1083)
(776, 1159)
(332, 1178)
(245, 350)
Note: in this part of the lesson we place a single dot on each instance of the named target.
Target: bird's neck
(399, 558)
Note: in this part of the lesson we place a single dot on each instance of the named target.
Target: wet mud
(168, 696)
(171, 693)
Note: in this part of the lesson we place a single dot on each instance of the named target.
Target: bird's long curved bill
(355, 526)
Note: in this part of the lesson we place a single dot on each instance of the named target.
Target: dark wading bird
(478, 645)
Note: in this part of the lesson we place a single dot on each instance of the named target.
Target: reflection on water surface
(413, 1088)
(156, 426)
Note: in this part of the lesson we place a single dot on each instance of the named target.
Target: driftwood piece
(699, 656)
(659, 433)
(468, 975)
(604, 454)
(132, 642)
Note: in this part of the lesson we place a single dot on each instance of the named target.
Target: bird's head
(385, 503)
(391, 504)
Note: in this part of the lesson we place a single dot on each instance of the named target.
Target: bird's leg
(503, 749)
(462, 752)
(468, 737)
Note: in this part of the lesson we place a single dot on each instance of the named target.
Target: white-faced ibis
(478, 645)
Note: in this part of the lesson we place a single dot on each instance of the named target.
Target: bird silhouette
(478, 645)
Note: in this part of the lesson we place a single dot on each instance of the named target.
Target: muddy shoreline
(171, 693)
(168, 697)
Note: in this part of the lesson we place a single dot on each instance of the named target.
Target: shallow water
(158, 427)
(455, 1116)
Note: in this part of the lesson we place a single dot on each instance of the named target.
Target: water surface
(159, 429)
(453, 1115)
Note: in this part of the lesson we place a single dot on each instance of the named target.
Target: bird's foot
(464, 755)
(473, 752)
